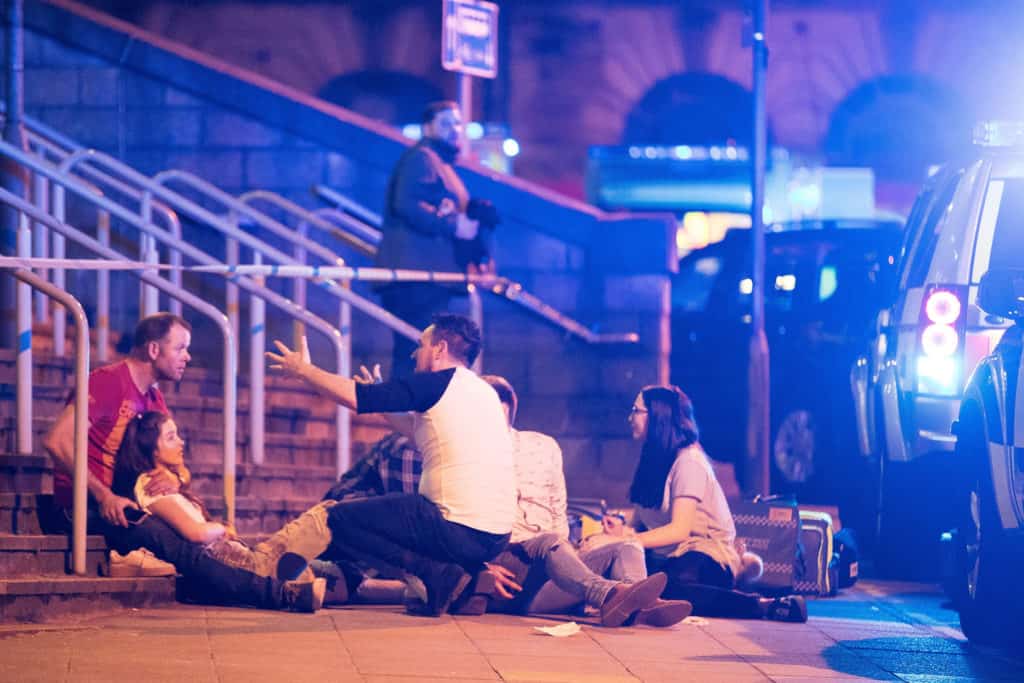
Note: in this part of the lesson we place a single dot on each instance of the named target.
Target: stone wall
(573, 71)
(157, 105)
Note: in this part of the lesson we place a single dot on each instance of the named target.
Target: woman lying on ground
(263, 576)
(682, 517)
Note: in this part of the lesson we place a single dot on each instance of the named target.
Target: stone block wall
(158, 106)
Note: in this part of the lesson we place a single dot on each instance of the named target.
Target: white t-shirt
(145, 501)
(713, 532)
(460, 430)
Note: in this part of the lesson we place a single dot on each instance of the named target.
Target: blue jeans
(405, 532)
(205, 579)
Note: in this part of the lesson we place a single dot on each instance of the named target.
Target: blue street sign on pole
(470, 37)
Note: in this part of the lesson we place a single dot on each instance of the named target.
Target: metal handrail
(334, 217)
(230, 365)
(193, 209)
(80, 471)
(350, 206)
(499, 286)
(60, 152)
(198, 255)
(311, 217)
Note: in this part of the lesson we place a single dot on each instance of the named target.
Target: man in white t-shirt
(465, 508)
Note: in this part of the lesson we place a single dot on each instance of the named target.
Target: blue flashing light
(999, 134)
(510, 147)
(938, 375)
(413, 131)
(474, 131)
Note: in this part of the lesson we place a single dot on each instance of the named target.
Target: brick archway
(899, 126)
(691, 108)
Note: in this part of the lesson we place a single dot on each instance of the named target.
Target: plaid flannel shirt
(392, 466)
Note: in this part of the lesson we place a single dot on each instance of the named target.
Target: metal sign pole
(758, 473)
(465, 82)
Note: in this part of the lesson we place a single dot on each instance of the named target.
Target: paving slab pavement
(877, 631)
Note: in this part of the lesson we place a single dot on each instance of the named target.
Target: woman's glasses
(636, 411)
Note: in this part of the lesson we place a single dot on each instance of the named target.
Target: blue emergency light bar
(999, 134)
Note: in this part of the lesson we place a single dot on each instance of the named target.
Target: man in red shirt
(117, 393)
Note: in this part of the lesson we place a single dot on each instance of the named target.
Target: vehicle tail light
(940, 363)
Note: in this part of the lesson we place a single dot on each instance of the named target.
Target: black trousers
(705, 583)
(205, 579)
(405, 532)
(416, 304)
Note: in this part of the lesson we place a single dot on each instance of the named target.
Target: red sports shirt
(113, 401)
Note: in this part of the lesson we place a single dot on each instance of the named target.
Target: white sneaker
(139, 562)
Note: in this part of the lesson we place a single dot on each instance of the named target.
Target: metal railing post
(80, 471)
(231, 253)
(299, 286)
(23, 306)
(149, 302)
(343, 418)
(58, 277)
(257, 366)
(41, 245)
(476, 314)
(103, 292)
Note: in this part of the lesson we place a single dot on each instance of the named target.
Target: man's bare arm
(60, 444)
(340, 389)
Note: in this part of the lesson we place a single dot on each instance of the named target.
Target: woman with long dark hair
(682, 517)
(262, 576)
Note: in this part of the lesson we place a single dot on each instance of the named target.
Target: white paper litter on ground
(695, 621)
(565, 630)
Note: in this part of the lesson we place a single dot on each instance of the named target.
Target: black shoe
(307, 596)
(628, 598)
(792, 608)
(290, 566)
(439, 590)
(664, 613)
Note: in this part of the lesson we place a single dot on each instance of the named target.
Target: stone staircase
(299, 466)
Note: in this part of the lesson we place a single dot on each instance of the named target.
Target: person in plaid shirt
(392, 466)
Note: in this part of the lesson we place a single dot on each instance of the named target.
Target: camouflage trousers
(307, 535)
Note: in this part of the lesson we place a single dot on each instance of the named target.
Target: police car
(968, 219)
(990, 455)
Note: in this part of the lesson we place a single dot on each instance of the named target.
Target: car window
(853, 279)
(789, 281)
(926, 237)
(691, 288)
(1008, 240)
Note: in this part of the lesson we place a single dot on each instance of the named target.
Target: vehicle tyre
(794, 450)
(987, 578)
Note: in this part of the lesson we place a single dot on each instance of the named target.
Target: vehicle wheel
(793, 448)
(986, 576)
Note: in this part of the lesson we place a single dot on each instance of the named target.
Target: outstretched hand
(505, 583)
(290, 362)
(364, 376)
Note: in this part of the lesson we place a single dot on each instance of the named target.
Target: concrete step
(38, 554)
(264, 481)
(44, 598)
(19, 513)
(260, 516)
(25, 474)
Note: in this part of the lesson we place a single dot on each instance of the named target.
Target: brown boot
(626, 599)
(663, 613)
(307, 535)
